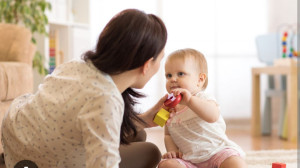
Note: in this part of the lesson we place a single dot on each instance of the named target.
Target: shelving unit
(70, 19)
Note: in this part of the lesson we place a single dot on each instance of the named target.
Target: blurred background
(224, 31)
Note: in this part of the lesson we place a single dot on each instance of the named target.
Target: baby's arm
(206, 109)
(172, 149)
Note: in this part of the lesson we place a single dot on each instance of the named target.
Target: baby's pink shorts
(214, 162)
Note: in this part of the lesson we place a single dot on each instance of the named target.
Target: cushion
(16, 78)
(15, 43)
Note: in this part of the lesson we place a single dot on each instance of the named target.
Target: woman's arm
(149, 115)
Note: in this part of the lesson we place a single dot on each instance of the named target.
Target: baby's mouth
(174, 87)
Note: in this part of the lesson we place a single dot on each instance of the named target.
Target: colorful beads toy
(285, 34)
(285, 41)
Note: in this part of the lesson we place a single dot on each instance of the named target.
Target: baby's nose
(173, 79)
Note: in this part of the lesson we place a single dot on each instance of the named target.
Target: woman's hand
(149, 115)
(172, 154)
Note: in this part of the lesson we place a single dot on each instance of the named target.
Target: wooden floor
(239, 132)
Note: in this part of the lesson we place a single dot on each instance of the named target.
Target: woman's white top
(73, 120)
(197, 139)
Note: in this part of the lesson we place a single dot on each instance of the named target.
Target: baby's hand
(186, 95)
(172, 154)
(172, 114)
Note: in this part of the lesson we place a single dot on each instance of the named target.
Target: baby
(195, 137)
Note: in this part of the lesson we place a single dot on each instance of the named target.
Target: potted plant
(31, 14)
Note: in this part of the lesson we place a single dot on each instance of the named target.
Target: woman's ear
(147, 66)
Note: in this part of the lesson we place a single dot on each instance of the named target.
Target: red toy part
(284, 49)
(172, 101)
(278, 165)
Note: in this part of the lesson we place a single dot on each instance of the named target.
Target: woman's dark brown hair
(128, 40)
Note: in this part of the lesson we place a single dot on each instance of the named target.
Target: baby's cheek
(168, 87)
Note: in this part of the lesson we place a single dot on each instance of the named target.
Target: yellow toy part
(161, 117)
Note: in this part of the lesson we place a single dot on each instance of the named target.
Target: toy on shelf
(285, 34)
(289, 53)
(288, 40)
(278, 165)
(163, 115)
(293, 52)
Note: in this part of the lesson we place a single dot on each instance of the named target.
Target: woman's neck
(124, 80)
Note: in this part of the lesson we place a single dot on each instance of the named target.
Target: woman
(84, 109)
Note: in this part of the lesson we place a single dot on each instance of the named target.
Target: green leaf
(33, 40)
(31, 13)
(38, 63)
(43, 6)
(49, 6)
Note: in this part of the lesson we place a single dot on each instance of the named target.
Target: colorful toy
(293, 52)
(278, 165)
(163, 115)
(172, 101)
(285, 34)
(288, 39)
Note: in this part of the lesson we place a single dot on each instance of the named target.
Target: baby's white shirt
(197, 139)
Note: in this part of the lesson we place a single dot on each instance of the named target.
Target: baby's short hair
(193, 54)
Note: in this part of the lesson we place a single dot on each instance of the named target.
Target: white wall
(238, 23)
(223, 30)
(280, 13)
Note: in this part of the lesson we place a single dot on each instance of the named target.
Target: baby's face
(182, 73)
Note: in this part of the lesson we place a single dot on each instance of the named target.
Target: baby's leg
(233, 162)
(170, 163)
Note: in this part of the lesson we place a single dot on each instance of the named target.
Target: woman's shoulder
(70, 67)
(78, 69)
(86, 77)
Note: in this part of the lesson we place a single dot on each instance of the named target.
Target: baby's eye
(168, 75)
(181, 74)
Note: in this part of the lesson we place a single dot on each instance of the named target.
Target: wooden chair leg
(267, 113)
(267, 118)
(282, 111)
